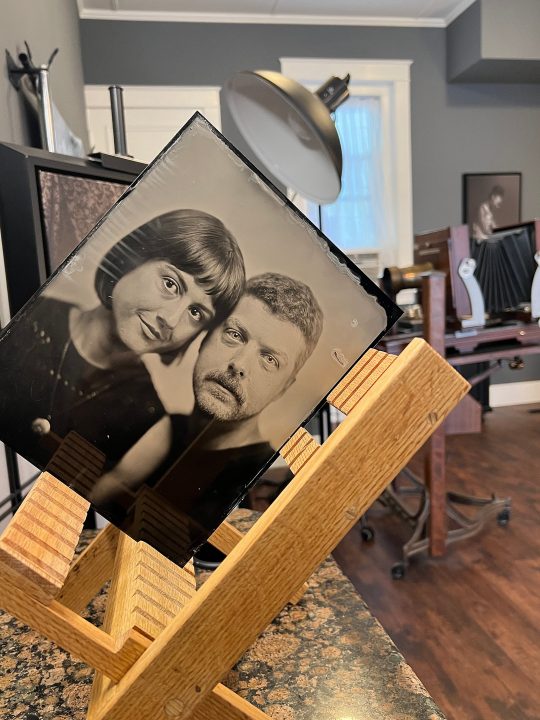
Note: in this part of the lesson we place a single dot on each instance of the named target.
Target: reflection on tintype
(151, 377)
(71, 206)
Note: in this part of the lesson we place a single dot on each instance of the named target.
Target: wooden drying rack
(164, 647)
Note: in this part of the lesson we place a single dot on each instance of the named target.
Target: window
(357, 219)
(373, 214)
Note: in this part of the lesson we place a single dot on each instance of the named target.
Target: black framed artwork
(174, 351)
(491, 201)
(48, 203)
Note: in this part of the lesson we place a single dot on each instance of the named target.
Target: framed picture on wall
(48, 203)
(491, 201)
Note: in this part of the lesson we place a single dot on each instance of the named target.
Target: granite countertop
(326, 658)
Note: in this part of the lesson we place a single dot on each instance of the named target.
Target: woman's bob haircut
(193, 241)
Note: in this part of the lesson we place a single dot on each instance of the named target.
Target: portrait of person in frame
(198, 325)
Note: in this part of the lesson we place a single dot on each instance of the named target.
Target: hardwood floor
(468, 623)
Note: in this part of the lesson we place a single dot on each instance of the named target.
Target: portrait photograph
(491, 201)
(197, 326)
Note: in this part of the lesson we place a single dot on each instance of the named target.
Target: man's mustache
(229, 383)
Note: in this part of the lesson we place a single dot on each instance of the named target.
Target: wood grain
(305, 522)
(359, 380)
(71, 632)
(147, 591)
(38, 545)
(299, 450)
(225, 538)
(92, 569)
(224, 704)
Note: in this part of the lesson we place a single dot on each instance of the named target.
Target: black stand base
(465, 526)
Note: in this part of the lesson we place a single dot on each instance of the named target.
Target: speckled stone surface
(325, 659)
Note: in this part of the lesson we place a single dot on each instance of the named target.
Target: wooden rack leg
(147, 592)
(36, 550)
(227, 537)
(38, 545)
(92, 569)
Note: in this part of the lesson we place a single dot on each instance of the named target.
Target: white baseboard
(516, 393)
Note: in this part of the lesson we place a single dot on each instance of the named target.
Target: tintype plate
(182, 343)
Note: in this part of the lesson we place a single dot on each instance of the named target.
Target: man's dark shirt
(201, 486)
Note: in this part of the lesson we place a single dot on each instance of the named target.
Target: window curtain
(359, 218)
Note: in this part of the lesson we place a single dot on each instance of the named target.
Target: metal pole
(46, 125)
(118, 120)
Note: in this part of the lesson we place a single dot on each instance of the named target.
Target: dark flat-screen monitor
(48, 204)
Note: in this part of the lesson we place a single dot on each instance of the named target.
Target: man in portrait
(485, 221)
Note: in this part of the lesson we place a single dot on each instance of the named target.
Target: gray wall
(495, 41)
(456, 128)
(45, 26)
(510, 29)
(464, 41)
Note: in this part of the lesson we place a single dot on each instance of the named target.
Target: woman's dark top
(192, 491)
(45, 385)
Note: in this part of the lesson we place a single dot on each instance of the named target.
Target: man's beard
(207, 403)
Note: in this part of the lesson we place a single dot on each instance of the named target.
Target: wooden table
(323, 659)
(490, 344)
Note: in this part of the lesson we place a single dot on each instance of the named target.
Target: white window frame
(204, 98)
(389, 80)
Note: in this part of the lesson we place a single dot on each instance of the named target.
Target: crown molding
(456, 12)
(261, 18)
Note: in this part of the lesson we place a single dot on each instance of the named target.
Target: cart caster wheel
(367, 534)
(398, 571)
(503, 518)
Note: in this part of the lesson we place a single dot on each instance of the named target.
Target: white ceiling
(412, 13)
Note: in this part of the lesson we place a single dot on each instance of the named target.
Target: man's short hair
(293, 301)
(497, 190)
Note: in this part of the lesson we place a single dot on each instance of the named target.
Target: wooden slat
(304, 524)
(220, 704)
(161, 589)
(227, 537)
(298, 450)
(77, 463)
(147, 592)
(359, 380)
(71, 632)
(92, 569)
(37, 547)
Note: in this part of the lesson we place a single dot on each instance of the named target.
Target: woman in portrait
(74, 369)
